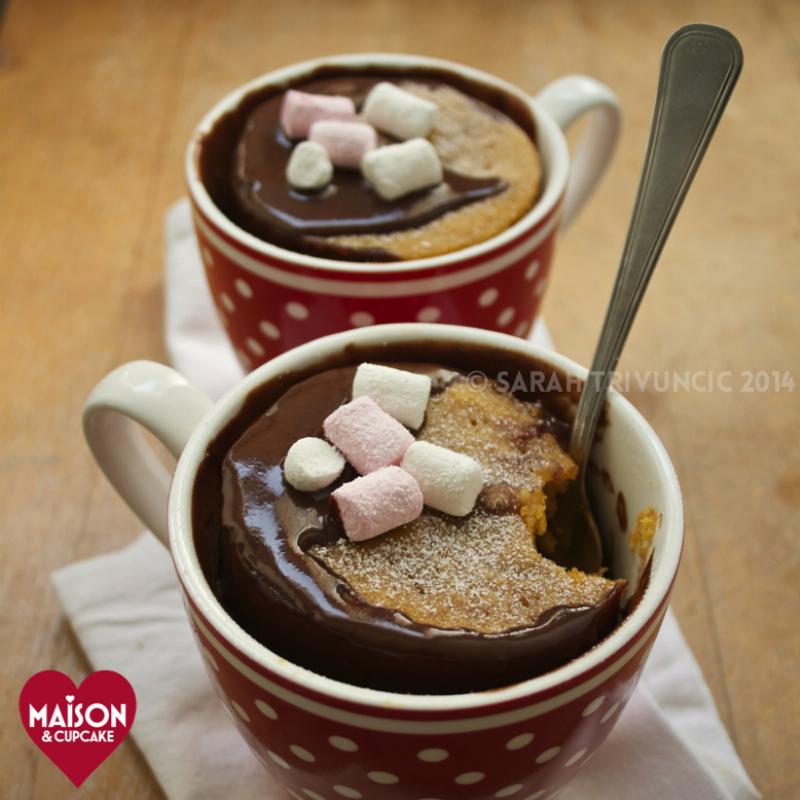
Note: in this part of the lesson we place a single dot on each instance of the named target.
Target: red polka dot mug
(271, 299)
(321, 739)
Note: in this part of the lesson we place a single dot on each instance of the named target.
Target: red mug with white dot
(322, 739)
(272, 299)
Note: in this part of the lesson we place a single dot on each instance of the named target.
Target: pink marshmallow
(345, 142)
(367, 435)
(301, 110)
(378, 502)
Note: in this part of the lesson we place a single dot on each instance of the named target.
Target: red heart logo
(77, 728)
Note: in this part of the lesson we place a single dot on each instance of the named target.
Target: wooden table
(97, 102)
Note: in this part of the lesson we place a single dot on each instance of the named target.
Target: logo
(77, 727)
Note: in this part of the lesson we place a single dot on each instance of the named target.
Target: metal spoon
(699, 68)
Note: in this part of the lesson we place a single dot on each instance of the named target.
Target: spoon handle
(699, 68)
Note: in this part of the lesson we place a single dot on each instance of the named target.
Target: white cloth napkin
(126, 611)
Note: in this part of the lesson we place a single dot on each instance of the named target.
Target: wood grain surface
(97, 101)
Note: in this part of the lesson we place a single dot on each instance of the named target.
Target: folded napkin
(126, 611)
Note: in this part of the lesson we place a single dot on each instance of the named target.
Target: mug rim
(222, 623)
(555, 174)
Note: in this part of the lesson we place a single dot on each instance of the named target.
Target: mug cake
(386, 524)
(372, 166)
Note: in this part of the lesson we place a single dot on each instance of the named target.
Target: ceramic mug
(321, 738)
(271, 299)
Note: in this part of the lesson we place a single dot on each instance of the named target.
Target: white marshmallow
(402, 394)
(309, 167)
(312, 464)
(398, 112)
(398, 169)
(450, 481)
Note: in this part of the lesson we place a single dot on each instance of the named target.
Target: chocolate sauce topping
(348, 204)
(259, 199)
(255, 555)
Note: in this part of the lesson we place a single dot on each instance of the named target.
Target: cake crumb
(640, 539)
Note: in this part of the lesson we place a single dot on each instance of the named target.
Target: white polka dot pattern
(360, 319)
(297, 310)
(302, 753)
(347, 791)
(530, 272)
(540, 287)
(254, 346)
(509, 790)
(488, 296)
(266, 709)
(269, 330)
(227, 303)
(343, 744)
(575, 758)
(384, 778)
(610, 713)
(505, 316)
(470, 778)
(433, 755)
(281, 762)
(548, 755)
(240, 711)
(208, 259)
(594, 705)
(521, 329)
(429, 314)
(243, 287)
(312, 795)
(520, 741)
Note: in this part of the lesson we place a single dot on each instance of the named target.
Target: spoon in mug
(699, 68)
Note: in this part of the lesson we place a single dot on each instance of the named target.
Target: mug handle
(168, 406)
(565, 100)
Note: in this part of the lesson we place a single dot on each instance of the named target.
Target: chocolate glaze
(622, 512)
(644, 582)
(243, 165)
(296, 607)
(348, 205)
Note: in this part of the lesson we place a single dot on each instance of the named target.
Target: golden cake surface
(482, 572)
(471, 140)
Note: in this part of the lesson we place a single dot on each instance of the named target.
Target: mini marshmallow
(397, 169)
(312, 464)
(300, 110)
(345, 142)
(367, 435)
(399, 113)
(398, 392)
(450, 481)
(309, 167)
(378, 502)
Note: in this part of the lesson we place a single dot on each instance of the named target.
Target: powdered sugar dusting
(481, 572)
